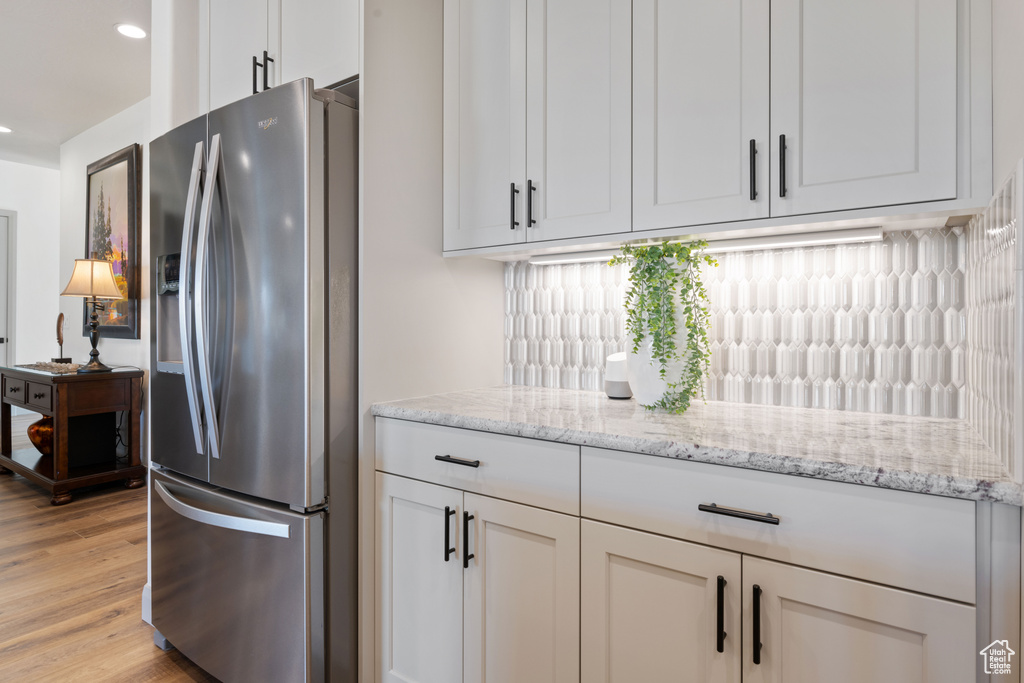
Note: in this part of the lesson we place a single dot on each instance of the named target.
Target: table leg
(60, 498)
(60, 439)
(5, 428)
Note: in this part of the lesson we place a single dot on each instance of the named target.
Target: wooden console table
(83, 409)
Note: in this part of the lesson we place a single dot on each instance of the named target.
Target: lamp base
(93, 366)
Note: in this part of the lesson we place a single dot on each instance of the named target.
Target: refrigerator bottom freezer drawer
(238, 586)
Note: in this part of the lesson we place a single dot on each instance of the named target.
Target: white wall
(33, 192)
(117, 132)
(1007, 87)
(427, 324)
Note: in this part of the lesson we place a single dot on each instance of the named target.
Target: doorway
(8, 260)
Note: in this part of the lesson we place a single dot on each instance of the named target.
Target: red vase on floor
(41, 435)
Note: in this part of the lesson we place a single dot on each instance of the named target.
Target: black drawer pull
(757, 624)
(466, 555)
(782, 165)
(513, 222)
(14, 390)
(38, 395)
(457, 461)
(721, 614)
(530, 189)
(767, 518)
(753, 170)
(448, 512)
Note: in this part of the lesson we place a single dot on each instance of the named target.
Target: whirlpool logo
(267, 123)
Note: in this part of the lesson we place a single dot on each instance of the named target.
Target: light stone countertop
(923, 455)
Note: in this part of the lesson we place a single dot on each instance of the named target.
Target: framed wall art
(113, 189)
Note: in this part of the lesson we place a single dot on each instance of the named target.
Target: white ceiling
(65, 69)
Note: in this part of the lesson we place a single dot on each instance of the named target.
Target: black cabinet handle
(457, 461)
(38, 395)
(15, 390)
(757, 624)
(782, 165)
(513, 222)
(466, 555)
(254, 65)
(448, 512)
(530, 187)
(767, 518)
(753, 170)
(265, 65)
(721, 613)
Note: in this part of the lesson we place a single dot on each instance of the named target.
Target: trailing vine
(659, 276)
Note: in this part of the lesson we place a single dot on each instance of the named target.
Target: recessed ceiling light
(4, 129)
(130, 31)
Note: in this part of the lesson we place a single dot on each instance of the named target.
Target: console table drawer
(39, 396)
(14, 390)
(908, 540)
(538, 473)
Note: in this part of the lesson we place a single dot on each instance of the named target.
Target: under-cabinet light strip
(808, 239)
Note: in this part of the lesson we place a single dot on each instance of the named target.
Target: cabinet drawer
(908, 540)
(529, 471)
(14, 390)
(39, 395)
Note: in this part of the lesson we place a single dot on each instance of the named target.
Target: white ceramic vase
(645, 375)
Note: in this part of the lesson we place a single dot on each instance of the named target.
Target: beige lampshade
(92, 277)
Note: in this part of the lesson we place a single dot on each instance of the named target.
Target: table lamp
(93, 278)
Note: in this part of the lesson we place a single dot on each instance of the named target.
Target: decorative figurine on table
(60, 340)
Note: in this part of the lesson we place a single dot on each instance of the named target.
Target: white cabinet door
(578, 117)
(820, 627)
(484, 122)
(650, 608)
(700, 100)
(319, 40)
(865, 94)
(238, 31)
(419, 593)
(522, 594)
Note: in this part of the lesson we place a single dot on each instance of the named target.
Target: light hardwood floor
(71, 581)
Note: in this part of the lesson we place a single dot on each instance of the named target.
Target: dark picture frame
(113, 187)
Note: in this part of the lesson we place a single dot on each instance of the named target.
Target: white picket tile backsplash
(872, 327)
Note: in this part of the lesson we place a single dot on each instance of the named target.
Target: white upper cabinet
(318, 39)
(865, 94)
(700, 108)
(238, 32)
(536, 120)
(578, 118)
(484, 122)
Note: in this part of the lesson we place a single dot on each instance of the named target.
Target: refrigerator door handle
(185, 293)
(219, 519)
(202, 343)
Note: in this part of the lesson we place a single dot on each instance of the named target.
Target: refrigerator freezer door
(238, 586)
(172, 158)
(266, 296)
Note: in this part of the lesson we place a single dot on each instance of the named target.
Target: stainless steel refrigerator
(253, 249)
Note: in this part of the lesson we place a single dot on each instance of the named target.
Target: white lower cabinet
(654, 569)
(471, 588)
(521, 594)
(817, 627)
(419, 593)
(651, 608)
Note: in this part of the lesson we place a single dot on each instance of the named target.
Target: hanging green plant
(666, 291)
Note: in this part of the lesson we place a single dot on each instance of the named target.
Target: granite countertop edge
(962, 487)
